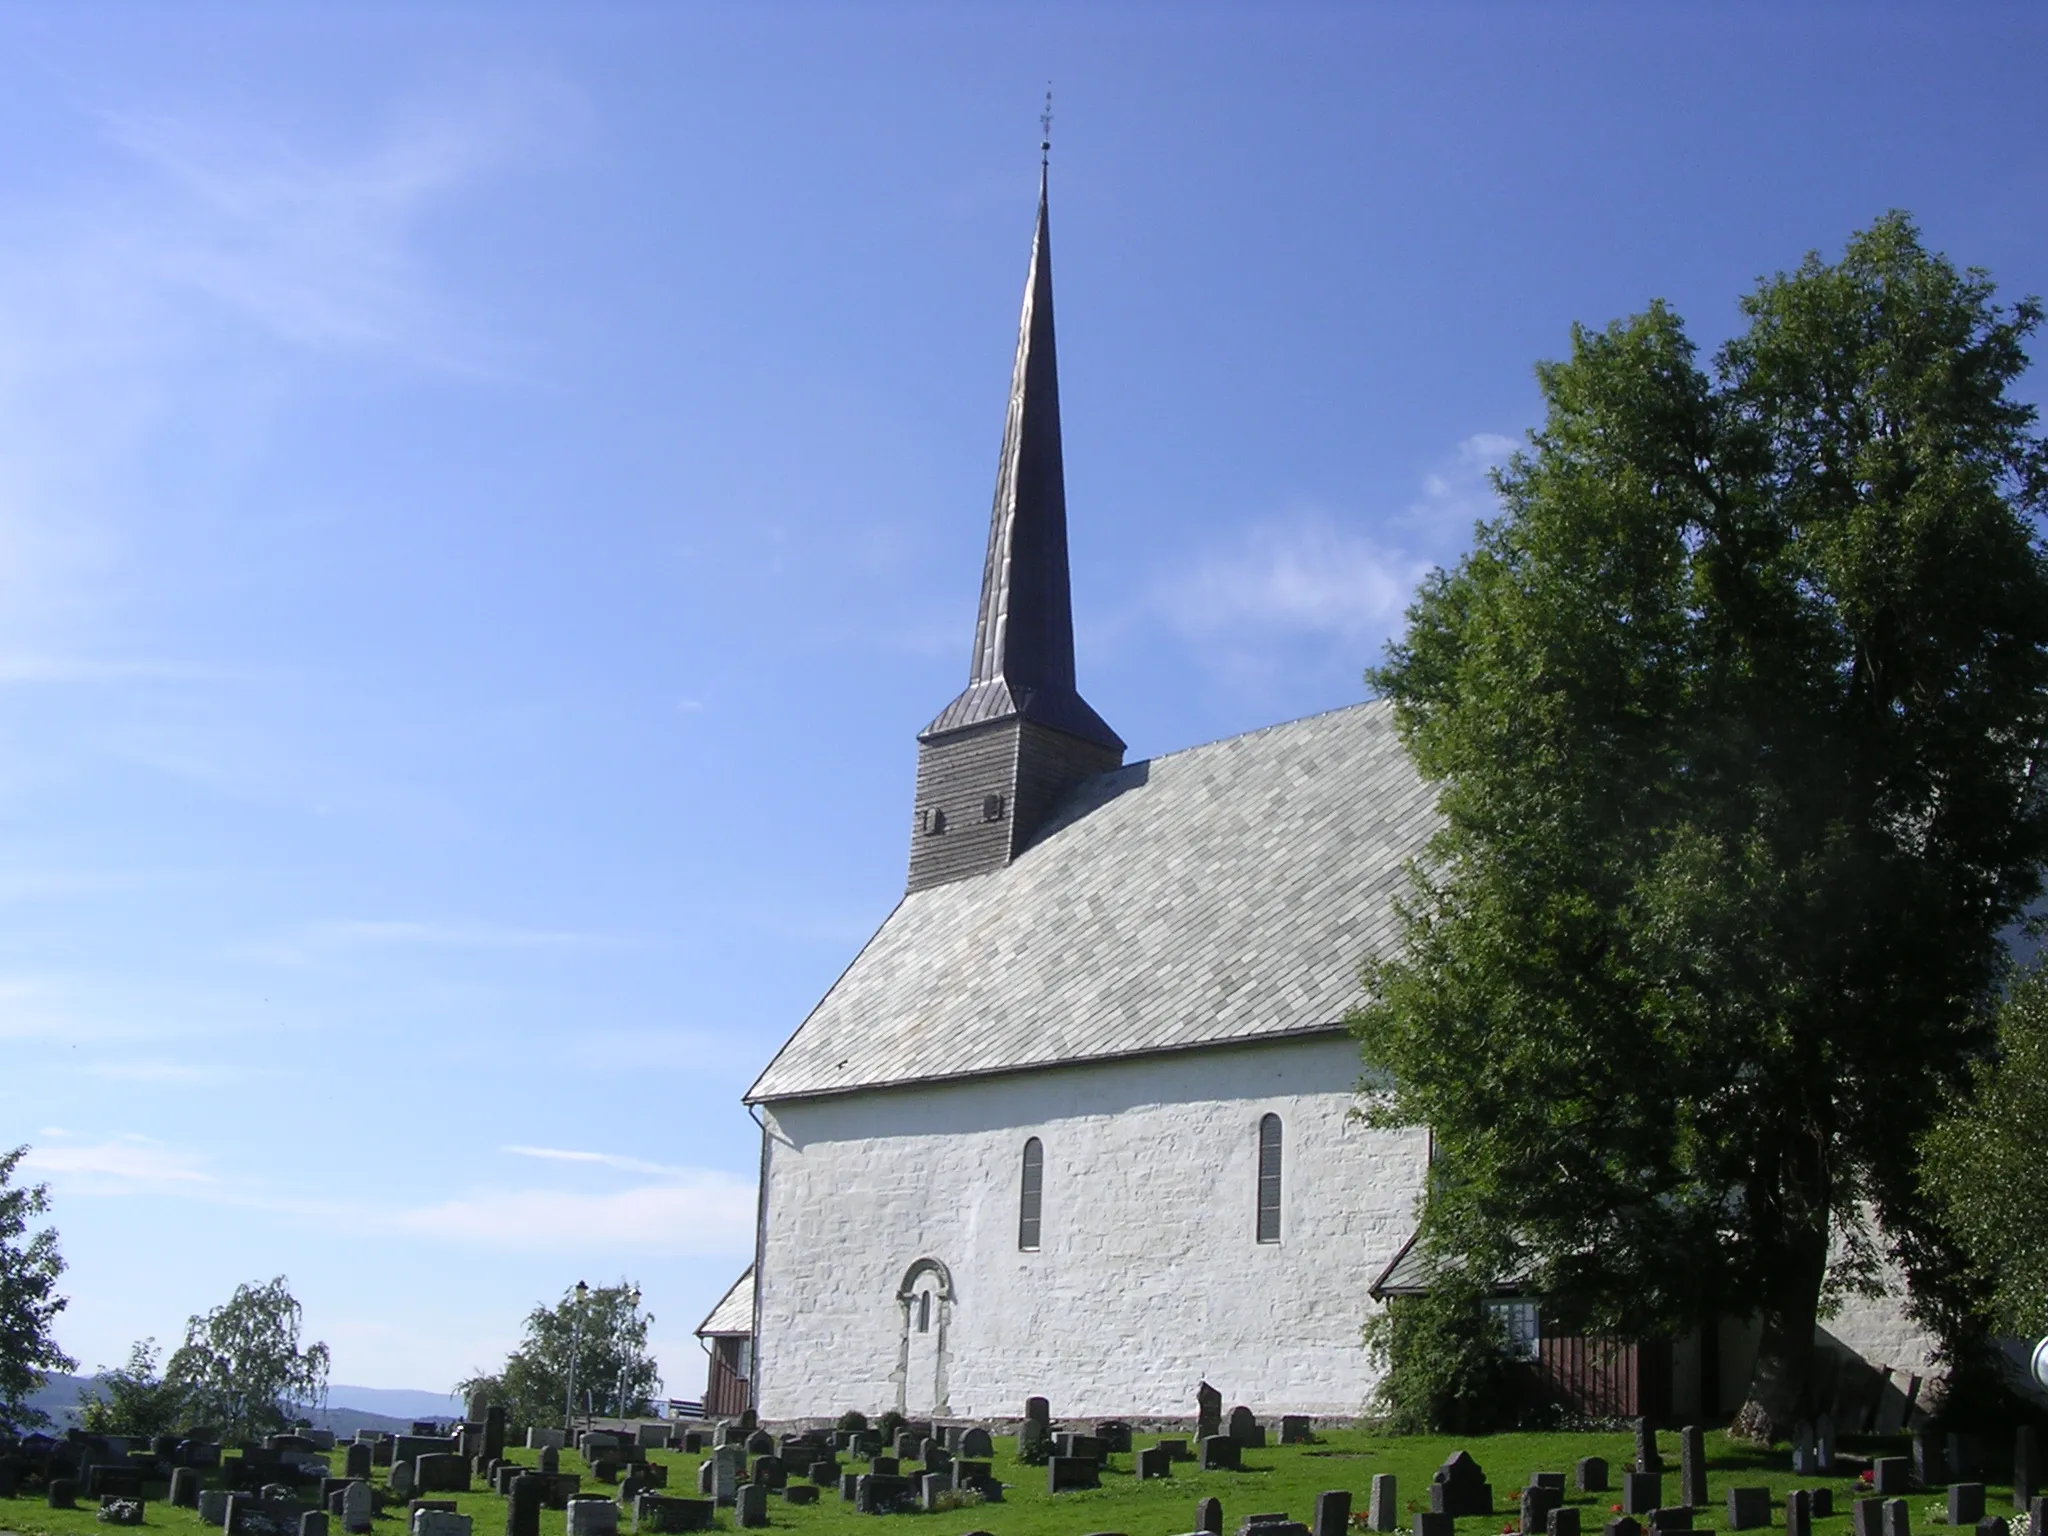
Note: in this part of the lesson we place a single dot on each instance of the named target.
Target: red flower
(1615, 1507)
(1863, 1476)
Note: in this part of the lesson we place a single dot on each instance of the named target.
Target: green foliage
(1445, 1364)
(134, 1399)
(241, 1368)
(1732, 715)
(601, 1334)
(889, 1424)
(1985, 1163)
(852, 1422)
(29, 1303)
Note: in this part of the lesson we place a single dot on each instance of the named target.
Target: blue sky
(488, 495)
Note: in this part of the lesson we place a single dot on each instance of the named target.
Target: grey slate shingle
(1221, 894)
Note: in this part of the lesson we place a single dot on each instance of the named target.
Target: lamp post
(575, 1348)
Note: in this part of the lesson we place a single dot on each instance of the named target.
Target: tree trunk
(1784, 1356)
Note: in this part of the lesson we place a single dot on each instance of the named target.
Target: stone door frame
(906, 1299)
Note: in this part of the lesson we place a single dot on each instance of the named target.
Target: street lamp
(575, 1348)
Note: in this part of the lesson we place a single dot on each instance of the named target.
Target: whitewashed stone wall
(1149, 1277)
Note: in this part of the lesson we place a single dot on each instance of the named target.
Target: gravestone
(1641, 1492)
(877, 1493)
(905, 1446)
(313, 1523)
(1551, 1480)
(2037, 1515)
(523, 1499)
(213, 1506)
(849, 1486)
(1272, 1525)
(1798, 1513)
(184, 1492)
(1154, 1462)
(1891, 1476)
(441, 1473)
(1965, 1503)
(1115, 1436)
(1749, 1509)
(1208, 1411)
(1080, 1445)
(725, 1473)
(1537, 1503)
(1672, 1517)
(1896, 1522)
(1823, 1446)
(1333, 1513)
(760, 1443)
(605, 1469)
(1930, 1468)
(1647, 1459)
(1459, 1488)
(1065, 1472)
(693, 1442)
(592, 1514)
(1294, 1429)
(1220, 1453)
(550, 1460)
(885, 1466)
(1866, 1517)
(1993, 1525)
(824, 1473)
(1245, 1429)
(977, 1443)
(1382, 1511)
(1962, 1457)
(1564, 1521)
(358, 1507)
(494, 1432)
(800, 1493)
(661, 1516)
(356, 1462)
(1589, 1474)
(1429, 1522)
(1209, 1512)
(1692, 1467)
(750, 1507)
(652, 1437)
(1623, 1525)
(768, 1473)
(1802, 1449)
(977, 1477)
(2025, 1473)
(1823, 1500)
(400, 1482)
(932, 1487)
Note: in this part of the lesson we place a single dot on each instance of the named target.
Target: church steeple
(1020, 729)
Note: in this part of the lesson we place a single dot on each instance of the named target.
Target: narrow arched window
(1269, 1179)
(924, 1312)
(1032, 1200)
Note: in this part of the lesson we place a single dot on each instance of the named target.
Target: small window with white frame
(1518, 1320)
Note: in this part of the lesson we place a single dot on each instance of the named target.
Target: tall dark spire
(1023, 662)
(998, 758)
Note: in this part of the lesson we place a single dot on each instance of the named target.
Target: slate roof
(735, 1310)
(1212, 896)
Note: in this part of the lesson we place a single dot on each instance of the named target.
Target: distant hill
(348, 1408)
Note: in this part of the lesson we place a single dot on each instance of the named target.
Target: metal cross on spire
(1045, 127)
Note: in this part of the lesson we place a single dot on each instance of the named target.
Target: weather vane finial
(1045, 127)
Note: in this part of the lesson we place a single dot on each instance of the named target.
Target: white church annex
(1078, 1119)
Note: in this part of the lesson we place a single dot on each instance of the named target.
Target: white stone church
(1078, 1119)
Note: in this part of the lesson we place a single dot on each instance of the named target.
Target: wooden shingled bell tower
(992, 763)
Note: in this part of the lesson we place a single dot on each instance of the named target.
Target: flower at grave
(1615, 1507)
(1864, 1476)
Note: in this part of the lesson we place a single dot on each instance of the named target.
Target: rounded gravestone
(63, 1493)
(184, 1492)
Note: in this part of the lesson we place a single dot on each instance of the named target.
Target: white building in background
(1078, 1120)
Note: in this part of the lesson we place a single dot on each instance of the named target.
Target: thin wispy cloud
(602, 1159)
(711, 1213)
(322, 940)
(127, 1165)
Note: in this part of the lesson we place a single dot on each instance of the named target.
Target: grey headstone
(824, 1473)
(1891, 1476)
(2026, 1472)
(1647, 1459)
(1208, 1411)
(1623, 1525)
(849, 1487)
(977, 1443)
(592, 1515)
(441, 1522)
(1896, 1521)
(1384, 1511)
(1064, 1472)
(1432, 1522)
(1333, 1513)
(931, 1487)
(184, 1490)
(1641, 1492)
(1749, 1509)
(1866, 1517)
(1209, 1512)
(401, 1480)
(1672, 1517)
(524, 1497)
(1798, 1513)
(1803, 1464)
(1589, 1474)
(1965, 1503)
(1244, 1428)
(1176, 1450)
(1294, 1429)
(358, 1507)
(313, 1523)
(1692, 1467)
(1037, 1410)
(1930, 1467)
(1220, 1453)
(1154, 1462)
(1564, 1521)
(800, 1493)
(1537, 1503)
(2037, 1515)
(550, 1460)
(1823, 1445)
(1993, 1525)
(212, 1506)
(750, 1506)
(725, 1472)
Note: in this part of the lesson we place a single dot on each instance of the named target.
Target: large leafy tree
(1737, 717)
(598, 1335)
(1985, 1165)
(241, 1368)
(29, 1303)
(133, 1399)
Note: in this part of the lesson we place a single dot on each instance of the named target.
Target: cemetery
(1034, 1476)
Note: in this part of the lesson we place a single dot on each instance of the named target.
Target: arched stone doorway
(925, 1299)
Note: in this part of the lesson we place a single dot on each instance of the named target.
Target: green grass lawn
(1278, 1479)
